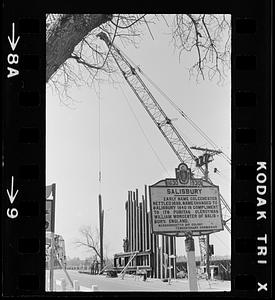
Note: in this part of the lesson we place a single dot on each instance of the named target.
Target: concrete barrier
(76, 285)
(94, 288)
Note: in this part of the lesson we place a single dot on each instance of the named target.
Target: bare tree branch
(128, 26)
(75, 56)
(89, 239)
(197, 35)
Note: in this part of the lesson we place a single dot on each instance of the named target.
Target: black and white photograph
(138, 152)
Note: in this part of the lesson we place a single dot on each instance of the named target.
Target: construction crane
(150, 104)
(159, 117)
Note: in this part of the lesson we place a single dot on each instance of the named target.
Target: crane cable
(184, 115)
(99, 144)
(143, 132)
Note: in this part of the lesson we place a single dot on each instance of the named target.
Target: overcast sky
(128, 162)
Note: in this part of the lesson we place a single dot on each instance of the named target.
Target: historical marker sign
(185, 204)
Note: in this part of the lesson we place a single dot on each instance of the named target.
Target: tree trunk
(63, 36)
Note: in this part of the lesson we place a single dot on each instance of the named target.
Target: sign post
(191, 263)
(185, 206)
(101, 220)
(207, 257)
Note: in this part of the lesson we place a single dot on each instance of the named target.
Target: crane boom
(152, 107)
(154, 110)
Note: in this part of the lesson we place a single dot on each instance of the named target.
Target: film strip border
(251, 192)
(23, 160)
(23, 213)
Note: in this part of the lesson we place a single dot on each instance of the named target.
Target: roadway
(130, 283)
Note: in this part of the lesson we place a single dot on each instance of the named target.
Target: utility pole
(101, 218)
(204, 160)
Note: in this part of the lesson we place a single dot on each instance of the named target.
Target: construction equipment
(159, 117)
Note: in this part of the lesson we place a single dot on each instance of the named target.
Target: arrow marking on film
(13, 43)
(11, 196)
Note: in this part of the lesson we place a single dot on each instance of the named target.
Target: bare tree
(72, 45)
(210, 36)
(89, 239)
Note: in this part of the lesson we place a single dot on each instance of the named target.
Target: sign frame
(184, 179)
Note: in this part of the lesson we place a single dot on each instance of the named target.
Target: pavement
(90, 283)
